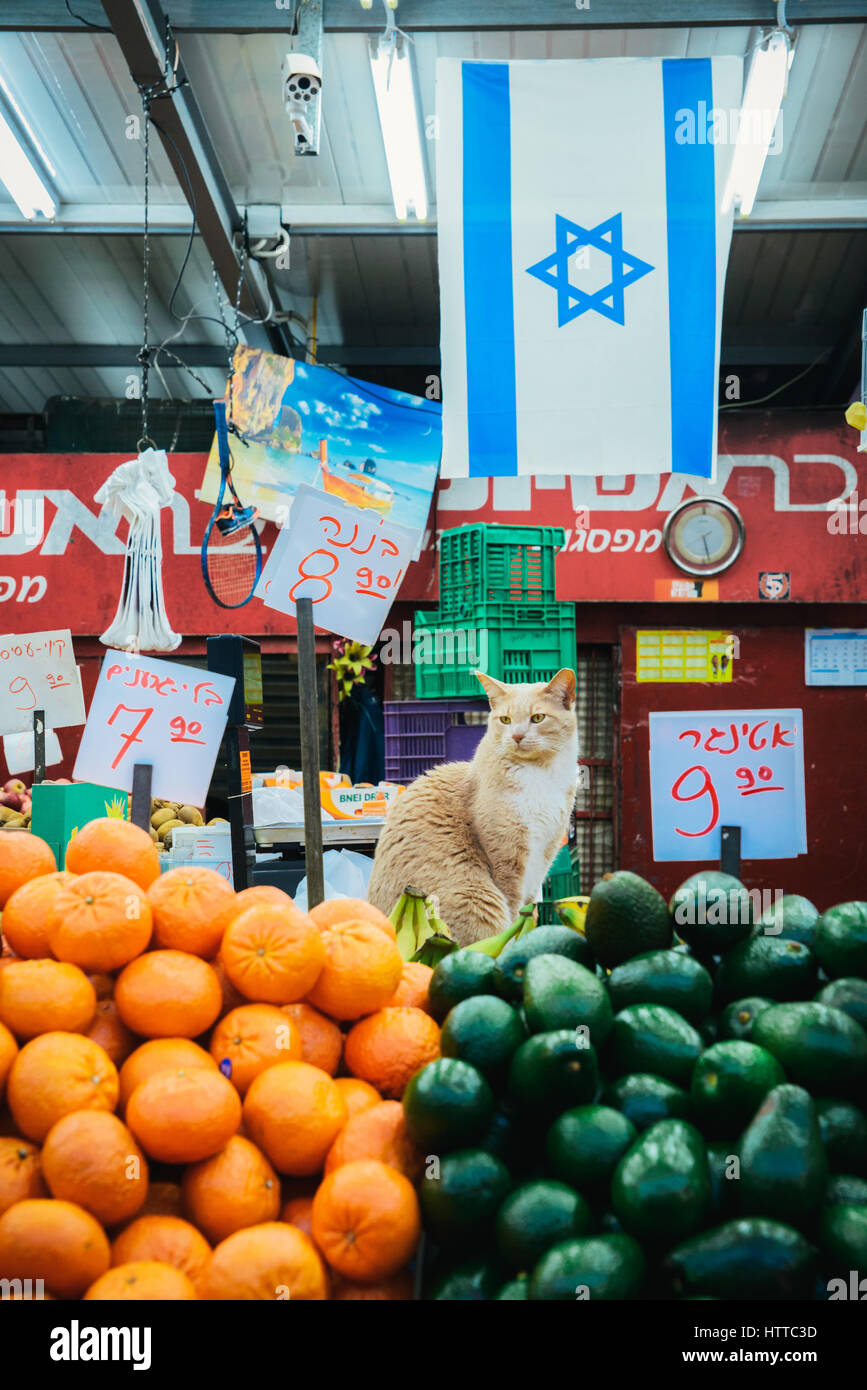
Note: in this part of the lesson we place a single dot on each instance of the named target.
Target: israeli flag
(582, 257)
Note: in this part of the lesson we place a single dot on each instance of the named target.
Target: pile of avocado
(670, 1105)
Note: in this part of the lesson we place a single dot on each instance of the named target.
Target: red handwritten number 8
(707, 789)
(323, 578)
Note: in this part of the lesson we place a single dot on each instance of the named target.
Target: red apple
(26, 805)
(10, 799)
(15, 785)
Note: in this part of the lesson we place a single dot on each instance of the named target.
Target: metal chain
(235, 331)
(144, 350)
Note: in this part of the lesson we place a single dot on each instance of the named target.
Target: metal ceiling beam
(347, 16)
(140, 29)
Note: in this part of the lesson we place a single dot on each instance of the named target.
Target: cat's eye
(536, 718)
(505, 719)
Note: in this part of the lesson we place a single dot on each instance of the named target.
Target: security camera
(302, 83)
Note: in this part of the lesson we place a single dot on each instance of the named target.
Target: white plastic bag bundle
(280, 806)
(347, 875)
(137, 491)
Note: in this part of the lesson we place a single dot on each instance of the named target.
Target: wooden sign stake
(730, 850)
(38, 745)
(307, 692)
(140, 807)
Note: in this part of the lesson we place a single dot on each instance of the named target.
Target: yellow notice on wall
(678, 655)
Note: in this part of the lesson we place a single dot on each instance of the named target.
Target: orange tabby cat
(482, 835)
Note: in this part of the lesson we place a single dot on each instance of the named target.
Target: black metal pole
(309, 714)
(38, 745)
(730, 850)
(240, 788)
(140, 809)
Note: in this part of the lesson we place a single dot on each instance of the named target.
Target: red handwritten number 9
(707, 789)
(323, 578)
(17, 686)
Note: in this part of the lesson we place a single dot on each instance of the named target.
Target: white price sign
(149, 711)
(38, 671)
(349, 560)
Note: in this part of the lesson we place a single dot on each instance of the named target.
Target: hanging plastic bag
(137, 491)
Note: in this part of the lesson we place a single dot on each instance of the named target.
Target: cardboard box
(59, 811)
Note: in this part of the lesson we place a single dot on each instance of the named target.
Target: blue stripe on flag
(492, 432)
(690, 193)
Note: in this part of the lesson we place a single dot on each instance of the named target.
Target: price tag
(349, 560)
(38, 671)
(149, 711)
(728, 767)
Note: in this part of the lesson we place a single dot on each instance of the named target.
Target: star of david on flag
(582, 250)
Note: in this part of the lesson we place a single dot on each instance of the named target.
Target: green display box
(59, 810)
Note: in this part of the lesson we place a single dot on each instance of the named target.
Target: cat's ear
(494, 689)
(562, 687)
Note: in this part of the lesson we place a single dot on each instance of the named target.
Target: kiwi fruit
(165, 831)
(161, 816)
(190, 816)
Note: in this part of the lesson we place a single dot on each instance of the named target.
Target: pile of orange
(199, 1090)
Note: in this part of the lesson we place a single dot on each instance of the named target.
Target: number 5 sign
(728, 767)
(149, 711)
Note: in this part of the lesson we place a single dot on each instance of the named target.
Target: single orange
(111, 1034)
(294, 1112)
(90, 1157)
(266, 1262)
(361, 971)
(23, 856)
(117, 846)
(184, 1117)
(298, 1211)
(321, 1039)
(337, 910)
(20, 1172)
(272, 954)
(191, 910)
(378, 1132)
(26, 913)
(158, 1056)
(390, 1046)
(99, 921)
(366, 1220)
(168, 994)
(141, 1281)
(57, 1242)
(44, 996)
(8, 1053)
(236, 1188)
(55, 1074)
(258, 894)
(251, 1038)
(412, 992)
(357, 1094)
(168, 1239)
(398, 1288)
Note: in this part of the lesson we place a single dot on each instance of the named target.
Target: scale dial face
(704, 535)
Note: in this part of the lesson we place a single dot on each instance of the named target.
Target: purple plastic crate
(420, 734)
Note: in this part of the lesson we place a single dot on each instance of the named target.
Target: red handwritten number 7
(130, 739)
(708, 789)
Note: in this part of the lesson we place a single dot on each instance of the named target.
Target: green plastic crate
(61, 809)
(499, 564)
(453, 651)
(563, 881)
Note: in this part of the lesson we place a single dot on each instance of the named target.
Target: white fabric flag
(582, 257)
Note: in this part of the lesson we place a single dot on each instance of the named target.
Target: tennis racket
(231, 549)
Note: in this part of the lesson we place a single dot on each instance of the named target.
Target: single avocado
(840, 940)
(460, 975)
(652, 1038)
(791, 918)
(460, 1201)
(535, 1217)
(484, 1031)
(784, 1169)
(768, 966)
(590, 1268)
(819, 1047)
(663, 977)
(844, 1134)
(511, 964)
(849, 994)
(626, 917)
(553, 1071)
(744, 1259)
(447, 1105)
(644, 1099)
(559, 993)
(729, 1083)
(712, 911)
(515, 1289)
(661, 1188)
(585, 1145)
(472, 1281)
(737, 1019)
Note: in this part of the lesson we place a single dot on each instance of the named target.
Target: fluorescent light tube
(398, 117)
(760, 110)
(20, 177)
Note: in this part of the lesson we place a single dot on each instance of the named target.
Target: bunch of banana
(493, 945)
(572, 912)
(422, 935)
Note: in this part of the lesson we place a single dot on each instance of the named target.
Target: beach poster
(368, 445)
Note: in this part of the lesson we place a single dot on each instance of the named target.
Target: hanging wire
(144, 351)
